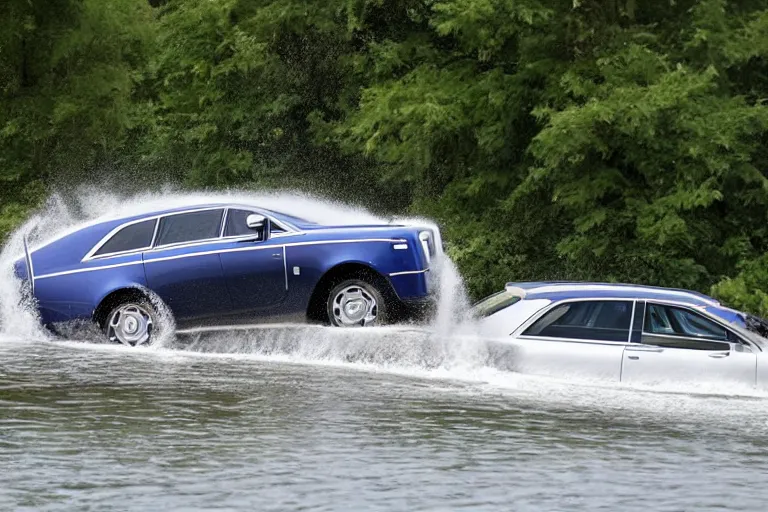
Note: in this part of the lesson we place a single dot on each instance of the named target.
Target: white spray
(90, 204)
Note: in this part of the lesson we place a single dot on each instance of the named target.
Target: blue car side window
(188, 227)
(236, 223)
(237, 226)
(130, 238)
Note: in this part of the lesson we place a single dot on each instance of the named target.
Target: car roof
(559, 290)
(290, 219)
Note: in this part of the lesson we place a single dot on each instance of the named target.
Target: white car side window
(597, 320)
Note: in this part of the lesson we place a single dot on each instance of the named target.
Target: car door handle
(277, 255)
(720, 355)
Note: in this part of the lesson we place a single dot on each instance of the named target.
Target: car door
(681, 345)
(254, 268)
(576, 338)
(184, 267)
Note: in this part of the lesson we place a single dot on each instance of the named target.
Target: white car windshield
(754, 328)
(494, 303)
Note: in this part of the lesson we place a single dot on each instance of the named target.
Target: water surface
(92, 427)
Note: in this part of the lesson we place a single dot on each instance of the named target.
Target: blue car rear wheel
(131, 323)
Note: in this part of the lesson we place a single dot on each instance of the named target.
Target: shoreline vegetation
(582, 140)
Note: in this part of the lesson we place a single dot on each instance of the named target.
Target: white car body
(623, 333)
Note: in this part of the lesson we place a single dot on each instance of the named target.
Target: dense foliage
(580, 139)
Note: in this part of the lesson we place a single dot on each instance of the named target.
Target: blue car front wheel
(356, 303)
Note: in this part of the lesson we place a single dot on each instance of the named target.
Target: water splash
(18, 315)
(61, 215)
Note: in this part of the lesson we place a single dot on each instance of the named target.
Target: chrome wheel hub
(354, 306)
(130, 324)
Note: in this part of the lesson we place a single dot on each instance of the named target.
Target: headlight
(427, 244)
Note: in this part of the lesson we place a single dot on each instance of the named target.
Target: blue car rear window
(130, 238)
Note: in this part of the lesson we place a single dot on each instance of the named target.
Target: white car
(625, 333)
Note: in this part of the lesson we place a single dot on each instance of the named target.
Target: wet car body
(210, 267)
(625, 333)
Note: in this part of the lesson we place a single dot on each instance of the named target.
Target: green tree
(68, 69)
(551, 139)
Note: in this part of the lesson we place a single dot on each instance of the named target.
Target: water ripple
(105, 429)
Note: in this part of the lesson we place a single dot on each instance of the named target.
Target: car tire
(133, 322)
(356, 303)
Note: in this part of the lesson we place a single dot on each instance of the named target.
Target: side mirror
(258, 223)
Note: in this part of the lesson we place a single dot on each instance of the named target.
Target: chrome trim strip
(348, 241)
(181, 245)
(285, 269)
(154, 234)
(577, 340)
(632, 321)
(196, 243)
(217, 251)
(224, 223)
(208, 253)
(92, 269)
(408, 272)
(261, 247)
(30, 267)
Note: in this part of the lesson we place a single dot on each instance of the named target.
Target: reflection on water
(87, 426)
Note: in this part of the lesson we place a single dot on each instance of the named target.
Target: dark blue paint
(255, 279)
(222, 280)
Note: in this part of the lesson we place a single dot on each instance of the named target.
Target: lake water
(318, 419)
(283, 421)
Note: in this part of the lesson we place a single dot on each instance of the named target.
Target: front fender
(306, 265)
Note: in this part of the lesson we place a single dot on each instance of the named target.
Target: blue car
(223, 264)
